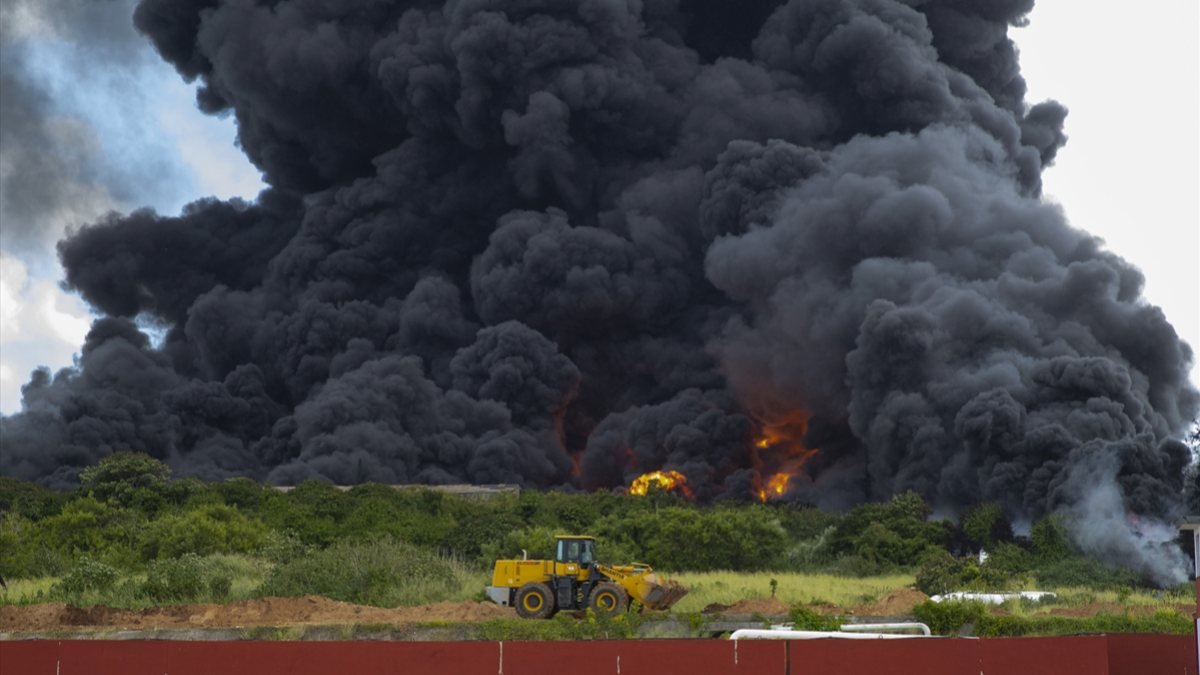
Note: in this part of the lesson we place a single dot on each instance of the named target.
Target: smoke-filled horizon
(563, 244)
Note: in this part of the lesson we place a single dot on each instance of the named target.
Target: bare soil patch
(764, 606)
(899, 602)
(268, 612)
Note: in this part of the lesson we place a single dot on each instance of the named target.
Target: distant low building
(464, 490)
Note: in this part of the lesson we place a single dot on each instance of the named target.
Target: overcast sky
(129, 136)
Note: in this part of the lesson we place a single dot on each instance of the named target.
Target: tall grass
(1077, 596)
(791, 588)
(213, 578)
(383, 572)
(27, 591)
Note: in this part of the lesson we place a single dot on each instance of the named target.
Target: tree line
(130, 516)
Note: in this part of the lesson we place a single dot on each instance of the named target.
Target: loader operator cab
(581, 550)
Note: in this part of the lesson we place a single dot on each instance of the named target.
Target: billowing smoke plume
(565, 243)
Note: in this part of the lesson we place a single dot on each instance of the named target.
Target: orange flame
(779, 454)
(777, 486)
(668, 481)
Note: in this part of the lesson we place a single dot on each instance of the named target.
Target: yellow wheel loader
(573, 580)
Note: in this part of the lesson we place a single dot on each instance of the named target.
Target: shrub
(985, 526)
(939, 573)
(415, 516)
(536, 542)
(212, 528)
(282, 546)
(128, 479)
(476, 525)
(24, 554)
(1050, 542)
(949, 618)
(89, 526)
(684, 538)
(28, 499)
(1006, 565)
(803, 618)
(188, 578)
(563, 626)
(806, 522)
(312, 510)
(1162, 621)
(895, 534)
(1078, 570)
(384, 573)
(87, 576)
(243, 493)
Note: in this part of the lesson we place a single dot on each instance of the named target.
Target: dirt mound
(32, 618)
(764, 606)
(272, 612)
(899, 602)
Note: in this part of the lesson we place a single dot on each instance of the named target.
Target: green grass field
(727, 588)
(705, 588)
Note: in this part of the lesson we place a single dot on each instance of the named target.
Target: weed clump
(383, 573)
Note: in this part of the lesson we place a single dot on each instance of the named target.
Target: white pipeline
(876, 627)
(766, 634)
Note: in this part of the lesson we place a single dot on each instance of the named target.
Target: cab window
(575, 551)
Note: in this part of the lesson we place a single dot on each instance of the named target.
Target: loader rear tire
(535, 601)
(608, 599)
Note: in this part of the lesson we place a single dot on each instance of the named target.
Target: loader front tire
(608, 599)
(535, 601)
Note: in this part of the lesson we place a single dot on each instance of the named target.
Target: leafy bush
(1162, 621)
(806, 522)
(803, 618)
(188, 578)
(283, 545)
(985, 526)
(939, 573)
(313, 510)
(677, 538)
(476, 524)
(384, 573)
(18, 497)
(1005, 569)
(415, 516)
(1050, 541)
(213, 528)
(244, 494)
(563, 626)
(536, 542)
(89, 526)
(891, 535)
(1077, 570)
(87, 576)
(1006, 565)
(949, 618)
(24, 553)
(128, 479)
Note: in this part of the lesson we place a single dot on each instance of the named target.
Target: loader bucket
(661, 593)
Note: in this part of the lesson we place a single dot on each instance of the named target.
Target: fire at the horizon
(668, 481)
(779, 455)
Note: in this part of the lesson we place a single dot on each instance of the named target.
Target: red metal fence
(1085, 655)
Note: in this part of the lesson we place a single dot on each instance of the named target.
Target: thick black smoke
(563, 243)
